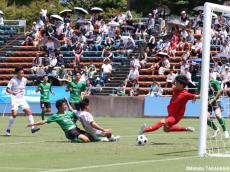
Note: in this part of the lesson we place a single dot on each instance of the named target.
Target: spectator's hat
(34, 23)
(183, 12)
(150, 14)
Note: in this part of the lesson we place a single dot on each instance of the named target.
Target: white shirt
(86, 119)
(50, 45)
(171, 77)
(133, 74)
(17, 86)
(1, 20)
(107, 68)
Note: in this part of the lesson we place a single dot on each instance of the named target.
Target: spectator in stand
(129, 46)
(103, 29)
(78, 51)
(170, 79)
(50, 45)
(150, 24)
(186, 54)
(107, 53)
(184, 65)
(225, 76)
(164, 65)
(128, 18)
(197, 48)
(49, 29)
(133, 76)
(152, 42)
(147, 54)
(1, 19)
(60, 58)
(184, 18)
(28, 42)
(135, 63)
(97, 45)
(121, 89)
(106, 70)
(155, 89)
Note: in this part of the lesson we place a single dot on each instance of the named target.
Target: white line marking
(117, 164)
(24, 168)
(41, 141)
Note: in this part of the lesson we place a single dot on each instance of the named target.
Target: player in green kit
(65, 119)
(214, 105)
(77, 91)
(45, 90)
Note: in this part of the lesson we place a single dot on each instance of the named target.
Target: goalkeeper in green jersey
(214, 105)
(45, 89)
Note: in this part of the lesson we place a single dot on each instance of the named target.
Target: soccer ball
(142, 140)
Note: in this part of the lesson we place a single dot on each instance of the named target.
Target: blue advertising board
(32, 97)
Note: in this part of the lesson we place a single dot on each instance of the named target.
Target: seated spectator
(184, 18)
(155, 89)
(170, 79)
(62, 72)
(120, 91)
(107, 53)
(78, 51)
(50, 45)
(225, 76)
(106, 70)
(128, 18)
(150, 24)
(197, 48)
(135, 91)
(184, 65)
(97, 44)
(164, 65)
(147, 53)
(186, 55)
(129, 46)
(92, 74)
(28, 42)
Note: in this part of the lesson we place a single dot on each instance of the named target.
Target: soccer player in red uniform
(176, 109)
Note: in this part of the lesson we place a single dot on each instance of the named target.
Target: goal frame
(208, 8)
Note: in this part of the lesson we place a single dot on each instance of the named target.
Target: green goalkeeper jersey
(45, 89)
(65, 121)
(77, 88)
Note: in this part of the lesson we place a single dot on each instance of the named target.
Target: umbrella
(65, 11)
(55, 16)
(162, 54)
(81, 10)
(96, 10)
(226, 15)
(1, 12)
(175, 22)
(113, 24)
(128, 27)
(199, 8)
(164, 8)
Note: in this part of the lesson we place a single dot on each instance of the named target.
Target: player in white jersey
(16, 87)
(88, 123)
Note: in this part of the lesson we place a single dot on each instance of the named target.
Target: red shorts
(171, 120)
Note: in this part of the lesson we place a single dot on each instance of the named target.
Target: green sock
(211, 124)
(43, 115)
(222, 123)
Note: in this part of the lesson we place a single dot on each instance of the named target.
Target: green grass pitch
(49, 151)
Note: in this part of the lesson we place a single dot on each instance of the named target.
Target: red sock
(153, 127)
(177, 128)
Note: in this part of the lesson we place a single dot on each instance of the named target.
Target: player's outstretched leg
(176, 128)
(31, 120)
(223, 125)
(145, 129)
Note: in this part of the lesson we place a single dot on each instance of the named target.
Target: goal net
(217, 146)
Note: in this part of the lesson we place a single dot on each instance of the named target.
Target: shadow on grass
(154, 143)
(177, 153)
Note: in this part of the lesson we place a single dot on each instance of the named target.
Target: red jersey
(176, 107)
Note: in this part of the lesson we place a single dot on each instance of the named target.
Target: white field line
(23, 168)
(117, 164)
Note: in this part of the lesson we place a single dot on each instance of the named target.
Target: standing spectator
(129, 46)
(1, 19)
(133, 76)
(106, 70)
(77, 54)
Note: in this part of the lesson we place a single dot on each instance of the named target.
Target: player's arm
(38, 89)
(37, 123)
(51, 91)
(216, 97)
(9, 91)
(98, 127)
(68, 105)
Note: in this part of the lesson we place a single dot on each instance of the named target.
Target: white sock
(10, 122)
(31, 120)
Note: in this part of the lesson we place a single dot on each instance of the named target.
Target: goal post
(208, 8)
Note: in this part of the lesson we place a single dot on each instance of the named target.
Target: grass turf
(49, 151)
